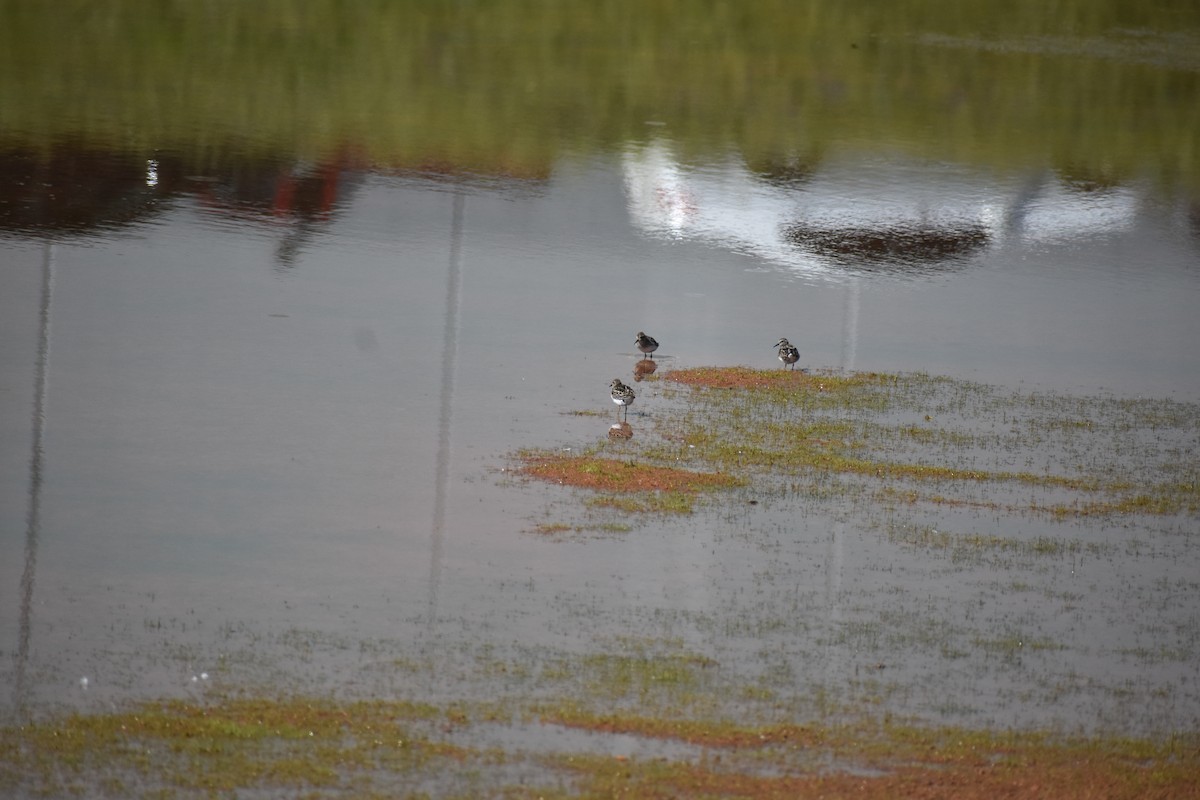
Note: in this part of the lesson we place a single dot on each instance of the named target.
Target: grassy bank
(1102, 91)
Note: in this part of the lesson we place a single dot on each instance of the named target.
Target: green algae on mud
(181, 749)
(613, 475)
(751, 712)
(654, 718)
(322, 748)
(900, 441)
(903, 439)
(622, 486)
(939, 440)
(983, 527)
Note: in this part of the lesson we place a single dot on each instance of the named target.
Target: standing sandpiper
(622, 395)
(787, 353)
(647, 344)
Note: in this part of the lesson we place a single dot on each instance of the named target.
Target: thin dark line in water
(850, 326)
(835, 554)
(33, 515)
(835, 656)
(449, 357)
(835, 563)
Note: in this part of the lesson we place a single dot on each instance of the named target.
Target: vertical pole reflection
(449, 354)
(834, 566)
(33, 522)
(850, 326)
(835, 555)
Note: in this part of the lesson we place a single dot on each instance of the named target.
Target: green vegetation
(186, 750)
(547, 723)
(905, 441)
(970, 546)
(321, 748)
(649, 503)
(1102, 91)
(671, 484)
(1012, 643)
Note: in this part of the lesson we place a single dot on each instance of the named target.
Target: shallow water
(255, 414)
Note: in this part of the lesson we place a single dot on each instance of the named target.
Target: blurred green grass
(1100, 89)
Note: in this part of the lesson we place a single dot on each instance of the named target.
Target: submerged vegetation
(317, 747)
(786, 686)
(906, 440)
(983, 527)
(616, 476)
(626, 485)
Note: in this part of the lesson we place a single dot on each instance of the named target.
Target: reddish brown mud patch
(885, 763)
(1084, 780)
(746, 378)
(610, 475)
(735, 377)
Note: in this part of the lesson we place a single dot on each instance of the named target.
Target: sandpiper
(788, 354)
(647, 344)
(622, 395)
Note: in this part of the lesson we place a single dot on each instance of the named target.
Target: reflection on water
(644, 368)
(511, 88)
(832, 217)
(72, 188)
(620, 430)
(912, 245)
(296, 199)
(33, 514)
(850, 325)
(293, 450)
(449, 361)
(890, 216)
(254, 428)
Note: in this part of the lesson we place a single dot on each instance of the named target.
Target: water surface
(265, 356)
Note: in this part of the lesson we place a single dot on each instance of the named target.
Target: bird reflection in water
(643, 368)
(620, 430)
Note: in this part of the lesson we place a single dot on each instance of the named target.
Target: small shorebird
(622, 395)
(788, 354)
(647, 344)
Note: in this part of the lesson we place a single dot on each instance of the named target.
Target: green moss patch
(611, 475)
(916, 438)
(321, 748)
